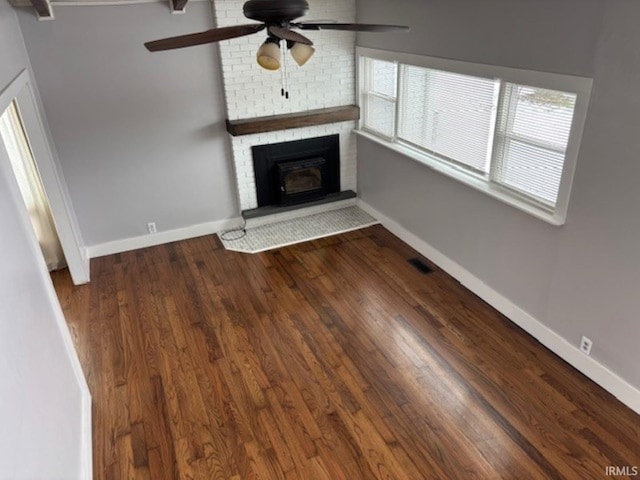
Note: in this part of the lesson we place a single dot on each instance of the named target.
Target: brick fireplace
(327, 80)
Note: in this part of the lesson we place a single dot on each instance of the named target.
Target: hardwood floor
(334, 359)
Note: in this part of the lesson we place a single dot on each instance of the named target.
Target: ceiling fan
(277, 17)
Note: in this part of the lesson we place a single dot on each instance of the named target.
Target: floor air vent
(420, 265)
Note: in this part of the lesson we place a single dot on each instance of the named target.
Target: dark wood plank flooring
(334, 359)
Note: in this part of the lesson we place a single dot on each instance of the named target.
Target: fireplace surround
(296, 172)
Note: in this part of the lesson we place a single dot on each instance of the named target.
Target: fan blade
(286, 34)
(352, 27)
(210, 36)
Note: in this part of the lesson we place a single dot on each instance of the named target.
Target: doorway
(16, 142)
(21, 91)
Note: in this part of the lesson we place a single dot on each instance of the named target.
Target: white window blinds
(532, 137)
(449, 114)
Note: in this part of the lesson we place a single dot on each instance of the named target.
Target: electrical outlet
(585, 345)
(151, 227)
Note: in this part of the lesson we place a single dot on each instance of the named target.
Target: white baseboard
(167, 236)
(600, 374)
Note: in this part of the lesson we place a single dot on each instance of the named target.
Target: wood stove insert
(297, 172)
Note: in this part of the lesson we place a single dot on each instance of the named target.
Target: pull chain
(284, 91)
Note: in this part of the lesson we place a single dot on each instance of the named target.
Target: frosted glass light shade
(269, 55)
(301, 53)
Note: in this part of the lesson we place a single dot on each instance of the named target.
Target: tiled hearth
(296, 230)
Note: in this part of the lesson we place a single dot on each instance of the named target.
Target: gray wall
(579, 279)
(12, 51)
(140, 135)
(40, 398)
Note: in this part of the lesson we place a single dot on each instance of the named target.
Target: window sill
(468, 179)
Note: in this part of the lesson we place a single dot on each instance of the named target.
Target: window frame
(580, 86)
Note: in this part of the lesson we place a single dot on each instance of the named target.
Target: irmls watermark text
(618, 471)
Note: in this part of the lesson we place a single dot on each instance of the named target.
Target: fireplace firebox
(297, 172)
(300, 180)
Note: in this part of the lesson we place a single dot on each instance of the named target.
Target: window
(511, 133)
(436, 106)
(380, 97)
(533, 134)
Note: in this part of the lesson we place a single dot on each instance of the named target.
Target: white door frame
(21, 89)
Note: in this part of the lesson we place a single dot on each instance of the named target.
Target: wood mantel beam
(43, 9)
(293, 120)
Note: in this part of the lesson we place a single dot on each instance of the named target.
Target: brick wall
(327, 80)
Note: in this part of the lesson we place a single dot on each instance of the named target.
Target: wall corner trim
(600, 374)
(86, 454)
(162, 237)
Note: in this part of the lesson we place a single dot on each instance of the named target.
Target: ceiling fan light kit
(268, 55)
(277, 17)
(300, 52)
